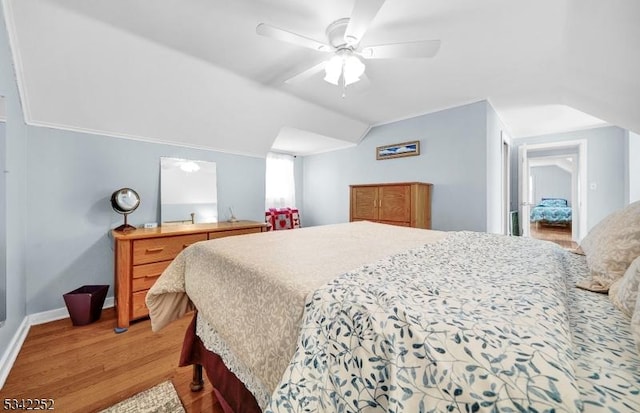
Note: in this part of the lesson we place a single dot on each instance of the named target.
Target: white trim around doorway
(581, 195)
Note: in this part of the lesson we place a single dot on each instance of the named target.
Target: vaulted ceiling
(194, 72)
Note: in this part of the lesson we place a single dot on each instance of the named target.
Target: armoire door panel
(364, 203)
(395, 203)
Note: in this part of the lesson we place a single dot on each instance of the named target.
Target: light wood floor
(88, 368)
(561, 235)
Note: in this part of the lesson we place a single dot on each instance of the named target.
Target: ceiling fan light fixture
(346, 66)
(353, 69)
(333, 69)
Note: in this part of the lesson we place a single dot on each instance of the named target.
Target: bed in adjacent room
(371, 317)
(552, 211)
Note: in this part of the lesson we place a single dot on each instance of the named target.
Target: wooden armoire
(406, 204)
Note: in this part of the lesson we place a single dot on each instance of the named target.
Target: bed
(371, 317)
(551, 211)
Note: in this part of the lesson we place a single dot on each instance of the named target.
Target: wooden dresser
(406, 204)
(142, 255)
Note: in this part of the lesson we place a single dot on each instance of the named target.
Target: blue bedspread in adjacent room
(552, 211)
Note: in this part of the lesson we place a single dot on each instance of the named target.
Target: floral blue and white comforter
(475, 322)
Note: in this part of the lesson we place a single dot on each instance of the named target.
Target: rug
(162, 398)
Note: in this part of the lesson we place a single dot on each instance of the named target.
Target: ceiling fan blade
(363, 13)
(301, 77)
(267, 30)
(408, 50)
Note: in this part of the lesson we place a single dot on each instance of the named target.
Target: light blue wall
(70, 180)
(551, 181)
(453, 159)
(606, 167)
(16, 197)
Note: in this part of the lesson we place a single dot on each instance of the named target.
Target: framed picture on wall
(398, 150)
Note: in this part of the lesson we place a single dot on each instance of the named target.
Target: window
(280, 183)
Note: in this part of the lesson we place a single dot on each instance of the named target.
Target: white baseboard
(11, 353)
(58, 314)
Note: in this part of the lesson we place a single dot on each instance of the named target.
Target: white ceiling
(195, 72)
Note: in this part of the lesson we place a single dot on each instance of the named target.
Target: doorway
(555, 172)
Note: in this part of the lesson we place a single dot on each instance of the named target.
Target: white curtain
(280, 183)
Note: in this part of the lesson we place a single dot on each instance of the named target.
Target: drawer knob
(157, 249)
(185, 246)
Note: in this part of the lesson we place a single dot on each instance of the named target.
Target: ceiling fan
(344, 35)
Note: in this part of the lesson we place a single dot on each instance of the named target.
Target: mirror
(124, 201)
(188, 191)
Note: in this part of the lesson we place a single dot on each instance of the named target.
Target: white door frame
(579, 182)
(506, 182)
(524, 193)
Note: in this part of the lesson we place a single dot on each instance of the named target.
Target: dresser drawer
(145, 275)
(222, 234)
(150, 270)
(143, 284)
(162, 249)
(138, 306)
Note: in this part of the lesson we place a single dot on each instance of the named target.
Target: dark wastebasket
(85, 303)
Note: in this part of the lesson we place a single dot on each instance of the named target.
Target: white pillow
(624, 291)
(613, 244)
(635, 318)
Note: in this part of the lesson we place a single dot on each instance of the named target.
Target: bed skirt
(229, 390)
